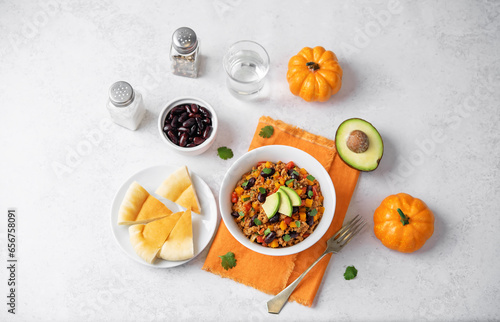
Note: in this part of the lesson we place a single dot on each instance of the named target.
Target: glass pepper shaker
(125, 105)
(185, 52)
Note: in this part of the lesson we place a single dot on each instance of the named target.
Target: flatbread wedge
(179, 244)
(139, 207)
(147, 239)
(179, 188)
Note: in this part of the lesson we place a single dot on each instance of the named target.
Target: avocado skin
(377, 135)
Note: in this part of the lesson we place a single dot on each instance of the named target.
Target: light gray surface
(427, 76)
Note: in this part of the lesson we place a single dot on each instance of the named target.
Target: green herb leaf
(267, 170)
(241, 213)
(289, 181)
(310, 194)
(286, 237)
(244, 184)
(297, 223)
(262, 191)
(311, 178)
(228, 260)
(257, 221)
(266, 131)
(350, 273)
(224, 153)
(295, 172)
(267, 231)
(246, 199)
(313, 212)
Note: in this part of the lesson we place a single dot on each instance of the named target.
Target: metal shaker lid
(121, 94)
(184, 40)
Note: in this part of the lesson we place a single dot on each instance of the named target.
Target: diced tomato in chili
(303, 202)
(315, 192)
(247, 206)
(260, 239)
(290, 165)
(264, 244)
(288, 220)
(261, 162)
(305, 235)
(261, 231)
(234, 197)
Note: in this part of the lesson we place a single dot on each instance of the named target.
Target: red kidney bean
(190, 145)
(207, 121)
(177, 110)
(175, 122)
(183, 129)
(200, 124)
(197, 140)
(187, 108)
(172, 137)
(192, 130)
(194, 115)
(167, 127)
(205, 112)
(184, 116)
(194, 108)
(207, 132)
(183, 139)
(189, 122)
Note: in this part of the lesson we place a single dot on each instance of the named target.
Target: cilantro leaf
(350, 273)
(262, 191)
(286, 237)
(267, 232)
(313, 212)
(266, 131)
(310, 177)
(267, 170)
(241, 213)
(244, 184)
(228, 260)
(310, 194)
(297, 223)
(289, 181)
(257, 221)
(246, 199)
(224, 153)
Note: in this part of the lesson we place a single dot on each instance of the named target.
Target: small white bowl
(193, 150)
(275, 153)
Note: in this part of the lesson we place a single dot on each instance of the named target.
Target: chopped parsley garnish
(257, 221)
(224, 153)
(241, 213)
(310, 177)
(313, 212)
(286, 237)
(350, 273)
(267, 232)
(310, 194)
(266, 131)
(228, 260)
(267, 170)
(262, 190)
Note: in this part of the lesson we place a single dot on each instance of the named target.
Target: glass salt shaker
(125, 105)
(185, 52)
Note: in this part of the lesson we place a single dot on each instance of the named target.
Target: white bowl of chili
(241, 223)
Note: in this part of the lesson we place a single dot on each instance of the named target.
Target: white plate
(204, 224)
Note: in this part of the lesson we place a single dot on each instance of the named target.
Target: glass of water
(246, 64)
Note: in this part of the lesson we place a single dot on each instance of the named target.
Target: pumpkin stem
(404, 218)
(312, 66)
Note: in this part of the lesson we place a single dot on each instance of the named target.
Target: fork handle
(275, 304)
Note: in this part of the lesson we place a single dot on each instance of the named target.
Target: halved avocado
(359, 144)
(285, 203)
(271, 205)
(294, 197)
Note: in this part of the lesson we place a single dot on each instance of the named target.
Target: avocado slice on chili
(271, 205)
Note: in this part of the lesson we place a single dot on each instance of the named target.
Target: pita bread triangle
(179, 188)
(179, 244)
(147, 239)
(139, 207)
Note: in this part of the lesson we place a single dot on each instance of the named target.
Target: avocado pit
(358, 141)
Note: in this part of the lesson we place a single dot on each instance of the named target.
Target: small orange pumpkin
(403, 223)
(314, 74)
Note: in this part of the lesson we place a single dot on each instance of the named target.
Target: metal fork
(333, 245)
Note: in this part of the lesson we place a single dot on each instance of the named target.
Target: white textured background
(427, 76)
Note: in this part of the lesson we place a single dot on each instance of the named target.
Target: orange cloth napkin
(271, 274)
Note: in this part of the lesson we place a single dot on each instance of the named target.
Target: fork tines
(347, 232)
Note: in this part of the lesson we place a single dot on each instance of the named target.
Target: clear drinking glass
(246, 64)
